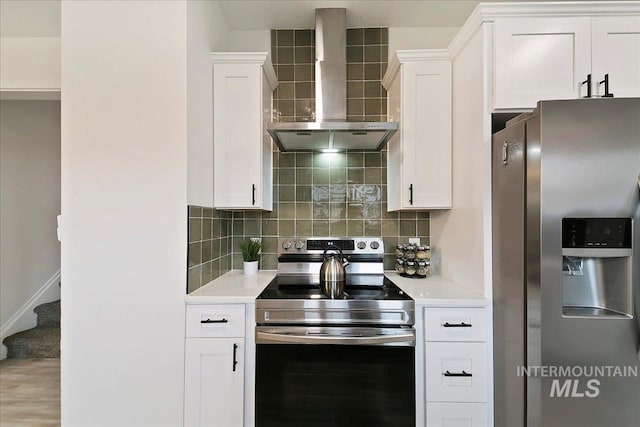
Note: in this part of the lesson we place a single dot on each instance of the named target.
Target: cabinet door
(540, 59)
(237, 135)
(213, 389)
(426, 135)
(616, 52)
(456, 415)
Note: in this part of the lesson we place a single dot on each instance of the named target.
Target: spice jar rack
(413, 260)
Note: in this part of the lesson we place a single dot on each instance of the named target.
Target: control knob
(362, 245)
(286, 245)
(374, 245)
(300, 244)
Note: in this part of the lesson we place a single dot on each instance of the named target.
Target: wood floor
(30, 392)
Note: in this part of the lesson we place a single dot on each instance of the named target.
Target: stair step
(36, 342)
(48, 314)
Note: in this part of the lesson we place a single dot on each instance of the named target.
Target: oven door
(335, 376)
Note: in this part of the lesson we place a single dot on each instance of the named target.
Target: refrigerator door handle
(505, 153)
(588, 83)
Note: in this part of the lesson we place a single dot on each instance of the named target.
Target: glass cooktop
(357, 287)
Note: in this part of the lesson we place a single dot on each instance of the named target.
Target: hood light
(329, 150)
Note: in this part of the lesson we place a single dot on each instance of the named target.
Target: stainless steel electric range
(346, 361)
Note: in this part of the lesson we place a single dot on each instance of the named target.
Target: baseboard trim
(27, 308)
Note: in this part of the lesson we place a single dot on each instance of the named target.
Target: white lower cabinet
(214, 366)
(456, 415)
(214, 382)
(456, 366)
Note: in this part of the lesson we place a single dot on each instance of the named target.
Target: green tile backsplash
(293, 57)
(209, 251)
(328, 194)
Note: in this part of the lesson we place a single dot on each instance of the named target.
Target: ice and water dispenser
(597, 262)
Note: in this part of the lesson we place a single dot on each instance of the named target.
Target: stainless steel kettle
(332, 272)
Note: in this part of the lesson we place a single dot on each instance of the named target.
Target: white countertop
(436, 290)
(235, 287)
(232, 287)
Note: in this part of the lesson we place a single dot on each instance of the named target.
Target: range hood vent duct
(331, 131)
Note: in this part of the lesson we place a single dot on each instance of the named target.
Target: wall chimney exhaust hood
(331, 131)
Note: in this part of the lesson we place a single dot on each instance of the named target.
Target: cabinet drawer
(456, 372)
(455, 324)
(215, 320)
(456, 415)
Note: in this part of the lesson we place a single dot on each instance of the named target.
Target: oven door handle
(407, 339)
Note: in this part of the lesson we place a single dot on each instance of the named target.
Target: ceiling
(265, 15)
(41, 18)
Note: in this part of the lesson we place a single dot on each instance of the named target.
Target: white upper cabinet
(243, 84)
(616, 53)
(419, 154)
(540, 58)
(546, 57)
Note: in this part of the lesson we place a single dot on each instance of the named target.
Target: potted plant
(250, 253)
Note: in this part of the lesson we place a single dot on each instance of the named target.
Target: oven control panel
(350, 245)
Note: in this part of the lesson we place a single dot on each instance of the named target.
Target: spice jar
(423, 252)
(400, 266)
(400, 250)
(424, 268)
(410, 268)
(410, 252)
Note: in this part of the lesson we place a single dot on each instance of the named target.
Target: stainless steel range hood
(331, 131)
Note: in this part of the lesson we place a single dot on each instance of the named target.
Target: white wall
(457, 235)
(207, 31)
(420, 38)
(124, 197)
(31, 63)
(29, 203)
(250, 41)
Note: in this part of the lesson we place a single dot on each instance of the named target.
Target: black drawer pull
(214, 321)
(457, 325)
(457, 374)
(235, 360)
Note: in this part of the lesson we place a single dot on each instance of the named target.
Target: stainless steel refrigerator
(566, 265)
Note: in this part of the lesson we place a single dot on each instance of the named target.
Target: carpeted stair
(41, 341)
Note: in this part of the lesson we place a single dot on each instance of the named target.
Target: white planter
(250, 267)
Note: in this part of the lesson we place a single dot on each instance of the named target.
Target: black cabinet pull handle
(411, 194)
(214, 321)
(588, 83)
(235, 351)
(253, 194)
(606, 87)
(457, 374)
(456, 325)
